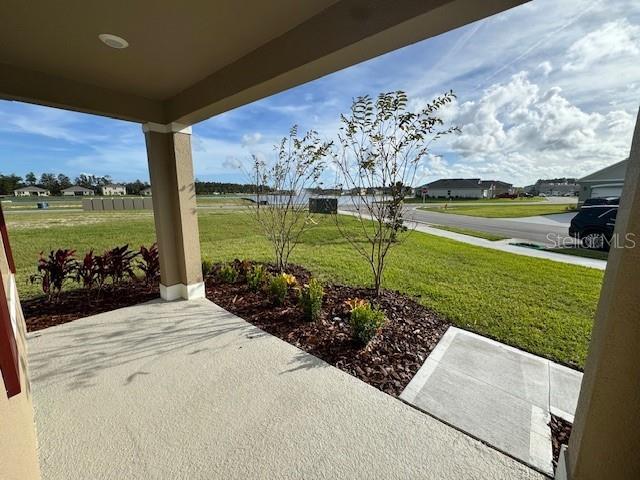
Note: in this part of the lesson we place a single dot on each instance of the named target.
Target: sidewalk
(497, 393)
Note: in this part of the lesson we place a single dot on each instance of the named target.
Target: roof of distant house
(31, 189)
(455, 183)
(497, 183)
(597, 175)
(113, 185)
(77, 188)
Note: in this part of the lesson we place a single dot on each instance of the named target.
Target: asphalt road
(544, 230)
(548, 230)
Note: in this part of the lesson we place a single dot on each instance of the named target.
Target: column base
(182, 291)
(562, 472)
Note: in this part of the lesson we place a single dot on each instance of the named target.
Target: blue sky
(550, 88)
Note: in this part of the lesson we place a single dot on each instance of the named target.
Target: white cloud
(519, 131)
(250, 139)
(613, 40)
(546, 68)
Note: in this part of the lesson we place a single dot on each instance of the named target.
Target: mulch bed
(388, 362)
(560, 432)
(39, 313)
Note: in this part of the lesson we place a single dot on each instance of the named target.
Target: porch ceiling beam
(348, 32)
(345, 33)
(43, 89)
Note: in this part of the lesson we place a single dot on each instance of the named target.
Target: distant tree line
(211, 188)
(55, 183)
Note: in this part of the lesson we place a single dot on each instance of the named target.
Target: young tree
(30, 178)
(283, 212)
(382, 145)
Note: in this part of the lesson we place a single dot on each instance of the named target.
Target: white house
(77, 191)
(603, 183)
(146, 192)
(114, 189)
(31, 192)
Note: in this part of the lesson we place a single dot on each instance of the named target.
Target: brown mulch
(560, 432)
(388, 362)
(39, 313)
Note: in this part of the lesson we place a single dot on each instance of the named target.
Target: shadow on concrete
(84, 348)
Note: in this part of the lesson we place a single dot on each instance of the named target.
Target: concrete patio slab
(497, 393)
(186, 390)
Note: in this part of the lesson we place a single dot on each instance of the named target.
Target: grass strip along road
(503, 211)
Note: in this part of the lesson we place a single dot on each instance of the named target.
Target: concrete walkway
(185, 390)
(496, 393)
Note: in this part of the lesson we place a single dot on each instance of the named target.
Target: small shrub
(256, 276)
(278, 289)
(103, 269)
(53, 271)
(310, 299)
(119, 264)
(290, 279)
(366, 321)
(150, 263)
(355, 302)
(88, 270)
(207, 268)
(228, 274)
(243, 266)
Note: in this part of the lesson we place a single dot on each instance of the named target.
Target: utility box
(323, 205)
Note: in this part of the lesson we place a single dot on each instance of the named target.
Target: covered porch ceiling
(188, 61)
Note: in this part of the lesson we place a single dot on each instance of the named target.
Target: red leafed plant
(149, 263)
(119, 264)
(53, 271)
(88, 270)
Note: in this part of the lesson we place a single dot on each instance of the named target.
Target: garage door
(609, 191)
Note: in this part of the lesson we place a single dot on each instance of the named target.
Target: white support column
(605, 441)
(174, 210)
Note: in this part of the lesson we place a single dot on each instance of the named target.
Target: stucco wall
(456, 192)
(18, 450)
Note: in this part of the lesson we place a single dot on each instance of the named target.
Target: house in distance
(113, 189)
(464, 188)
(77, 191)
(32, 191)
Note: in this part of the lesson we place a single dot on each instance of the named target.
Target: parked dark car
(594, 223)
(507, 195)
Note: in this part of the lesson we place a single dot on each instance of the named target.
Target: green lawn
(542, 306)
(468, 231)
(474, 201)
(504, 211)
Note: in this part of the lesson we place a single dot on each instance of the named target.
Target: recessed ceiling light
(113, 41)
